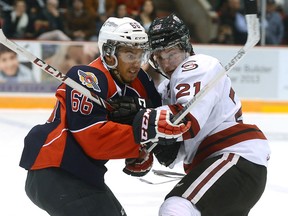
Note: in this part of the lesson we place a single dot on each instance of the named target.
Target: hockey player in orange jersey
(66, 156)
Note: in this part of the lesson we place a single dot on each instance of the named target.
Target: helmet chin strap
(117, 76)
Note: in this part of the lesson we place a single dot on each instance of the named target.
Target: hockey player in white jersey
(224, 159)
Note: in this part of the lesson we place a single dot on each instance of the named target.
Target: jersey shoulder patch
(189, 65)
(90, 77)
(199, 63)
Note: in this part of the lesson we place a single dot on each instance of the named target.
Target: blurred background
(64, 33)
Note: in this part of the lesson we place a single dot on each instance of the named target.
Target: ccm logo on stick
(50, 69)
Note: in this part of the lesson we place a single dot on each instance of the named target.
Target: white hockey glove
(155, 126)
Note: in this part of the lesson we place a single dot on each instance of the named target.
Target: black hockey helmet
(169, 31)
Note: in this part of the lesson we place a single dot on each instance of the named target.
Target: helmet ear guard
(107, 49)
(185, 44)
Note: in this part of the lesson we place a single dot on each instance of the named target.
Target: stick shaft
(52, 71)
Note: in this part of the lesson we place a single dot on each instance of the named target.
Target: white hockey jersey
(216, 118)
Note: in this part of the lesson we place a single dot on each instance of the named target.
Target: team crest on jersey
(189, 65)
(89, 79)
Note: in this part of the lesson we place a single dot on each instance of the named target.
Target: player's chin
(132, 75)
(130, 78)
(169, 73)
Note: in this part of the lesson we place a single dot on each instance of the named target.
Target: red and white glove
(151, 125)
(140, 166)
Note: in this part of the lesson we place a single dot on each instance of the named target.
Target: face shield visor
(128, 52)
(133, 53)
(168, 59)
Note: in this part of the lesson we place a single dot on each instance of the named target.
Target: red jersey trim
(223, 139)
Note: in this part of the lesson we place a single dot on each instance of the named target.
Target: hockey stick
(253, 38)
(167, 174)
(52, 71)
(158, 183)
(175, 176)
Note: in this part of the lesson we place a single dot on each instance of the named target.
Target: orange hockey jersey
(78, 137)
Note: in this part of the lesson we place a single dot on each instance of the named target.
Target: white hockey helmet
(121, 31)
